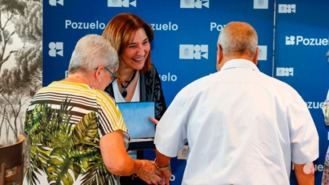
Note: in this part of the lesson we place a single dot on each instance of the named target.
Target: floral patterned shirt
(64, 124)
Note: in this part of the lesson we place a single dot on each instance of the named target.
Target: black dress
(150, 90)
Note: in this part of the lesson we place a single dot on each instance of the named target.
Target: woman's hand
(153, 120)
(149, 172)
(166, 174)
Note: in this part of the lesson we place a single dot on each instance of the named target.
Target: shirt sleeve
(109, 116)
(304, 136)
(171, 131)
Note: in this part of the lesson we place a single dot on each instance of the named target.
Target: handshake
(151, 173)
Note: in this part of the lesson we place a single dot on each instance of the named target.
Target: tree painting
(21, 52)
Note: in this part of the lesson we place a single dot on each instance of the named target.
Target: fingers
(149, 173)
(153, 120)
(166, 174)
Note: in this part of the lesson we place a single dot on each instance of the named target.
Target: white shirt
(242, 127)
(118, 96)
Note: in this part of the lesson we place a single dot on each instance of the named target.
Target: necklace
(125, 84)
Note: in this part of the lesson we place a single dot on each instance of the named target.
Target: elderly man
(76, 131)
(242, 126)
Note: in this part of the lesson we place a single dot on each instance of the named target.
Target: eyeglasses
(114, 75)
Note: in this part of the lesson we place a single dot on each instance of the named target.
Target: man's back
(240, 127)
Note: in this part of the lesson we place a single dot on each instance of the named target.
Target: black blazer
(150, 90)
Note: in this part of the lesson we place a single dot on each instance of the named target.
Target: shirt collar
(239, 63)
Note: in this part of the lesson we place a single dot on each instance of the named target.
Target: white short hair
(89, 50)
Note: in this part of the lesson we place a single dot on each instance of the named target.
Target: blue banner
(301, 57)
(293, 40)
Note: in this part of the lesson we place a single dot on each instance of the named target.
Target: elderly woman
(76, 132)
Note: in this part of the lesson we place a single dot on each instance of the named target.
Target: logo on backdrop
(314, 104)
(55, 2)
(260, 4)
(216, 27)
(194, 4)
(122, 3)
(56, 48)
(290, 40)
(168, 77)
(262, 55)
(164, 26)
(287, 8)
(284, 71)
(77, 25)
(328, 55)
(295, 40)
(193, 51)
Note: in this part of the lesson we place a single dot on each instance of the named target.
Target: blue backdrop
(293, 38)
